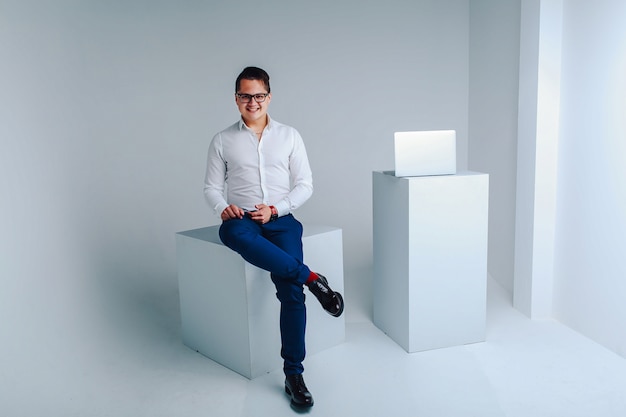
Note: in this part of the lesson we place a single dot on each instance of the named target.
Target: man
(257, 174)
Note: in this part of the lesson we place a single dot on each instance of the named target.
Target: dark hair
(253, 73)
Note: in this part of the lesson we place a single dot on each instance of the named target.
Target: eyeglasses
(259, 98)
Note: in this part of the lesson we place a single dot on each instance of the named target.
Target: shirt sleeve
(301, 178)
(215, 178)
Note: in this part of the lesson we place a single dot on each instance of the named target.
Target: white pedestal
(229, 309)
(430, 258)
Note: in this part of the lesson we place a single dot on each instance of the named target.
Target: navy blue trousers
(277, 247)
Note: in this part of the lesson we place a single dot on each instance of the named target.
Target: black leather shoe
(331, 301)
(300, 395)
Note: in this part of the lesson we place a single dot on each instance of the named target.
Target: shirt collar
(242, 125)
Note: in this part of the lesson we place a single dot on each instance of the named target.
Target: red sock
(312, 277)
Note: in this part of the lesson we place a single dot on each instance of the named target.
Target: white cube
(430, 258)
(229, 309)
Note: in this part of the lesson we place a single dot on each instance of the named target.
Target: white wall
(106, 112)
(571, 222)
(539, 107)
(591, 205)
(493, 111)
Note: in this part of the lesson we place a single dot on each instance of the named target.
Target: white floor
(525, 368)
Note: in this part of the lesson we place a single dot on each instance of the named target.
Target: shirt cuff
(220, 208)
(282, 207)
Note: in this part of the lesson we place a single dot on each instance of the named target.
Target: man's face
(252, 111)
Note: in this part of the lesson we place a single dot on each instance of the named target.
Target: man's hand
(262, 214)
(232, 212)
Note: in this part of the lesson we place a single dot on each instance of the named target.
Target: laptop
(425, 153)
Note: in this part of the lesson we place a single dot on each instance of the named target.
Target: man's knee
(289, 292)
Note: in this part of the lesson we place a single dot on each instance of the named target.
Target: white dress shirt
(245, 171)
